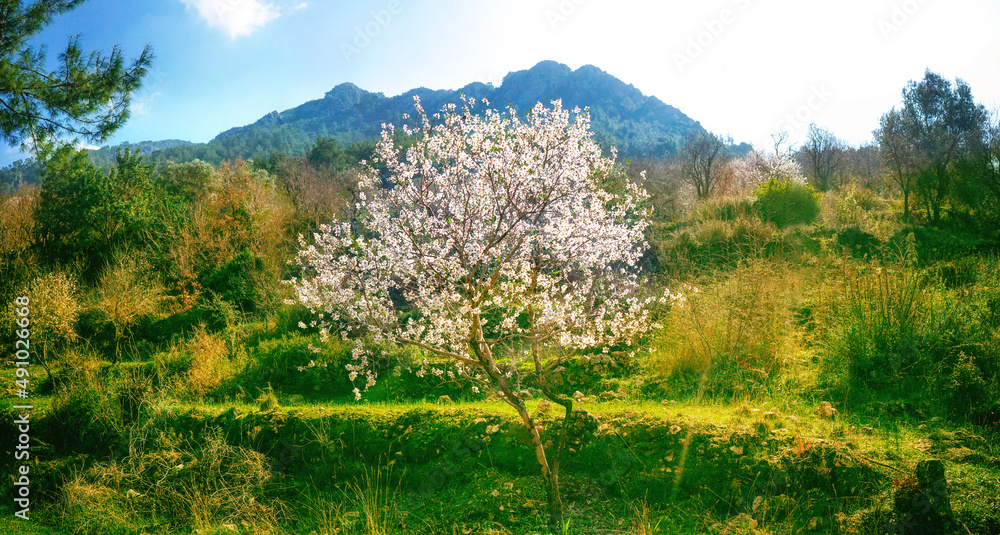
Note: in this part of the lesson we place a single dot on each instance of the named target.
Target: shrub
(54, 309)
(786, 202)
(913, 341)
(18, 237)
(963, 341)
(126, 293)
(84, 214)
(402, 378)
(291, 366)
(208, 365)
(236, 281)
(965, 390)
(859, 207)
(232, 240)
(196, 367)
(189, 180)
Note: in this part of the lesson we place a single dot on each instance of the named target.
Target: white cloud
(142, 103)
(236, 17)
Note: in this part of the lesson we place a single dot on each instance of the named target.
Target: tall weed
(84, 407)
(377, 501)
(731, 336)
(914, 341)
(884, 307)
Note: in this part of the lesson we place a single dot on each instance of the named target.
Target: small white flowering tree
(495, 237)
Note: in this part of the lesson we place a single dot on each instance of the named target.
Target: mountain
(638, 125)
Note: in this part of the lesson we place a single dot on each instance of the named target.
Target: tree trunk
(550, 473)
(45, 360)
(118, 338)
(555, 501)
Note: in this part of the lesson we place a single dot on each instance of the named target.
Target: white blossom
(490, 214)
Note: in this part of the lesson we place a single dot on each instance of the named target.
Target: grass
(716, 429)
(373, 500)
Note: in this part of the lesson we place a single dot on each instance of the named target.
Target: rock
(922, 505)
(543, 408)
(825, 410)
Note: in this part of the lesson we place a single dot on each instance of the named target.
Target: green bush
(963, 340)
(936, 244)
(84, 213)
(399, 380)
(290, 366)
(786, 202)
(921, 342)
(236, 281)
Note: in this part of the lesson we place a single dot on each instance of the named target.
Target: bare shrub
(17, 221)
(126, 292)
(54, 310)
(209, 364)
(232, 240)
(317, 196)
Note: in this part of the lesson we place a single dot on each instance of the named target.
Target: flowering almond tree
(494, 235)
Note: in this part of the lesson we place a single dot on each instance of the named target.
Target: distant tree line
(939, 150)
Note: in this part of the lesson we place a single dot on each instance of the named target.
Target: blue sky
(745, 68)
